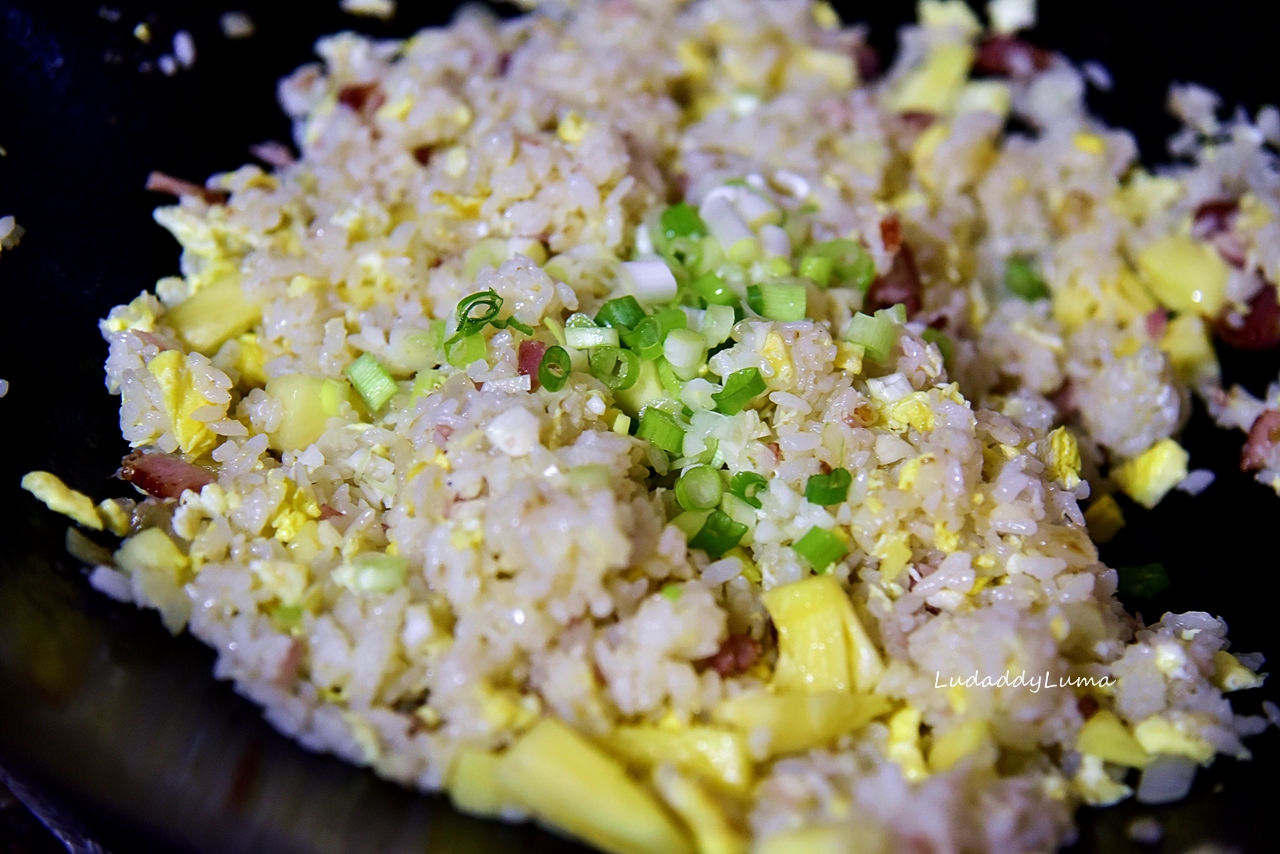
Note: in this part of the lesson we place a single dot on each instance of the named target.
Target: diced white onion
(650, 282)
(1167, 779)
(685, 350)
(755, 210)
(775, 241)
(513, 432)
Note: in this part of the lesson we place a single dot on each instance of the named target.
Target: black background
(119, 729)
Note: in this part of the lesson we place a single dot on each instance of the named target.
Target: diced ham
(160, 182)
(1157, 323)
(867, 59)
(1261, 327)
(891, 233)
(1259, 448)
(1215, 222)
(900, 285)
(163, 475)
(153, 339)
(916, 121)
(273, 153)
(529, 359)
(422, 154)
(362, 98)
(737, 654)
(328, 511)
(1010, 56)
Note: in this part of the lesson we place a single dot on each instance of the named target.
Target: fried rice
(797, 557)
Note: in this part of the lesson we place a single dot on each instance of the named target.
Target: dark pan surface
(118, 732)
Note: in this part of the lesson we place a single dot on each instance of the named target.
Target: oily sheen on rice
(484, 586)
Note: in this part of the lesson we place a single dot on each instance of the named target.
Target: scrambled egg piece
(1094, 784)
(1161, 735)
(1230, 675)
(935, 85)
(172, 370)
(904, 743)
(60, 498)
(1148, 477)
(1104, 519)
(1186, 275)
(1063, 458)
(1186, 340)
(1104, 735)
(911, 411)
(779, 359)
(572, 128)
(297, 508)
(894, 552)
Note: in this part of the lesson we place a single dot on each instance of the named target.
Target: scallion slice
(876, 335)
(373, 572)
(818, 268)
(851, 263)
(820, 548)
(699, 488)
(895, 314)
(745, 485)
(586, 337)
(462, 351)
(477, 310)
(650, 282)
(554, 371)
(661, 429)
(618, 369)
(686, 350)
(739, 388)
(939, 338)
(717, 324)
(373, 381)
(718, 534)
(1023, 281)
(783, 301)
(681, 220)
(827, 489)
(620, 313)
(647, 337)
(712, 290)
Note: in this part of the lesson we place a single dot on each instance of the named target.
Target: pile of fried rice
(653, 420)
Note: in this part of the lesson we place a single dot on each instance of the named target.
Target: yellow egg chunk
(172, 370)
(213, 315)
(1161, 735)
(798, 722)
(60, 498)
(564, 780)
(1230, 675)
(1186, 340)
(1185, 275)
(1104, 518)
(822, 645)
(1104, 735)
(935, 85)
(1148, 477)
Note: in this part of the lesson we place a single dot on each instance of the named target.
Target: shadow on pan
(117, 733)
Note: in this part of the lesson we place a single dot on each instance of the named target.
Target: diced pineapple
(159, 569)
(60, 498)
(970, 739)
(862, 838)
(1230, 675)
(1148, 477)
(1161, 735)
(1186, 340)
(566, 781)
(935, 85)
(474, 787)
(1186, 275)
(1104, 518)
(822, 645)
(307, 404)
(712, 832)
(797, 722)
(808, 65)
(213, 314)
(714, 754)
(1105, 735)
(904, 743)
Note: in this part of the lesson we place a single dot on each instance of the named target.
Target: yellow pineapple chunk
(307, 404)
(569, 783)
(1230, 675)
(1186, 275)
(971, 738)
(862, 838)
(1104, 735)
(712, 832)
(1186, 340)
(1104, 518)
(159, 569)
(214, 314)
(822, 645)
(798, 722)
(1148, 477)
(474, 787)
(717, 755)
(935, 85)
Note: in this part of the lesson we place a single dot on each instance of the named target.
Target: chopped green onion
(661, 429)
(820, 548)
(718, 534)
(827, 489)
(745, 485)
(686, 251)
(680, 220)
(647, 337)
(426, 382)
(461, 352)
(686, 350)
(287, 618)
(717, 324)
(895, 314)
(875, 334)
(620, 313)
(1142, 582)
(699, 488)
(1023, 281)
(650, 282)
(555, 368)
(712, 289)
(818, 268)
(373, 572)
(372, 381)
(511, 321)
(586, 337)
(616, 368)
(739, 388)
(783, 301)
(469, 323)
(671, 382)
(940, 339)
(852, 264)
(671, 591)
(691, 522)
